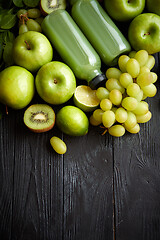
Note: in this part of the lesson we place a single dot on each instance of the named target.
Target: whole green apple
(144, 32)
(122, 10)
(55, 82)
(16, 87)
(31, 50)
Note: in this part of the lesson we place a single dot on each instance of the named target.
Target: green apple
(123, 10)
(31, 50)
(144, 32)
(16, 87)
(55, 82)
(153, 6)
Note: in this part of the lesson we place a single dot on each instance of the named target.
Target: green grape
(133, 89)
(102, 93)
(149, 90)
(133, 67)
(129, 103)
(131, 120)
(34, 13)
(23, 28)
(58, 145)
(97, 114)
(145, 79)
(39, 20)
(125, 79)
(94, 122)
(113, 73)
(144, 117)
(139, 96)
(116, 130)
(155, 77)
(105, 104)
(115, 96)
(135, 129)
(33, 25)
(114, 109)
(122, 62)
(141, 56)
(21, 12)
(121, 115)
(144, 69)
(150, 62)
(108, 118)
(113, 83)
(142, 108)
(132, 54)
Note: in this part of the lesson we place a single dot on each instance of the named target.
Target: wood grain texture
(137, 177)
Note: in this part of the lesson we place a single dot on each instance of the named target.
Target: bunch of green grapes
(30, 20)
(122, 100)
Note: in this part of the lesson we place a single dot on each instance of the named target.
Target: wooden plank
(32, 206)
(136, 179)
(88, 187)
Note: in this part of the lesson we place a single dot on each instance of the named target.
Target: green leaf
(31, 3)
(8, 21)
(7, 54)
(18, 3)
(1, 45)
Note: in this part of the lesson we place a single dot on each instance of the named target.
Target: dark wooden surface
(103, 188)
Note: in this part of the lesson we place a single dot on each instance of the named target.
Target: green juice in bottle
(73, 47)
(100, 30)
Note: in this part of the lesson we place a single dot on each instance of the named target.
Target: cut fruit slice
(39, 118)
(48, 6)
(85, 98)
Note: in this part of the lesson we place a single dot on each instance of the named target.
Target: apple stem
(28, 47)
(148, 33)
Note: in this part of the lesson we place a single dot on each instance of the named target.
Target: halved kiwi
(48, 6)
(39, 118)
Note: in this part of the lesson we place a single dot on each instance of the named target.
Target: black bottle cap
(98, 81)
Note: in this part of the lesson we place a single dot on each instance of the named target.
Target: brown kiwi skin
(43, 129)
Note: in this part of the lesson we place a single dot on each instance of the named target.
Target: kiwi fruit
(39, 118)
(48, 6)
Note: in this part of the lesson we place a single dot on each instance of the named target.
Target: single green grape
(105, 104)
(132, 54)
(144, 117)
(21, 12)
(125, 79)
(113, 83)
(116, 130)
(129, 103)
(113, 73)
(34, 13)
(134, 130)
(149, 90)
(131, 120)
(115, 97)
(142, 108)
(144, 69)
(150, 62)
(139, 96)
(23, 28)
(145, 79)
(33, 25)
(122, 62)
(133, 89)
(141, 56)
(58, 145)
(97, 114)
(108, 118)
(93, 121)
(121, 115)
(102, 93)
(133, 67)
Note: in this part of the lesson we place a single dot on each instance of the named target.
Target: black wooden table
(103, 188)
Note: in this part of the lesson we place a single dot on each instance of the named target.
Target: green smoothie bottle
(73, 47)
(100, 30)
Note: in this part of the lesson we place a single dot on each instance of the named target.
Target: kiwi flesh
(39, 118)
(48, 6)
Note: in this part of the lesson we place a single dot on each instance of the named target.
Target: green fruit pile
(122, 105)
